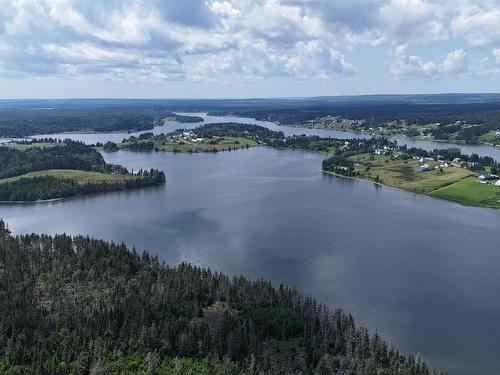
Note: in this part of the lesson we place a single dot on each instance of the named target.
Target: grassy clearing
(405, 174)
(471, 192)
(221, 144)
(207, 145)
(453, 183)
(22, 147)
(491, 137)
(82, 177)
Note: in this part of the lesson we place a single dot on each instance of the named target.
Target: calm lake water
(423, 272)
(170, 126)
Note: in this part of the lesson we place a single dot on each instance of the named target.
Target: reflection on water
(424, 272)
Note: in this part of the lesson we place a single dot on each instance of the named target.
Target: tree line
(51, 187)
(71, 155)
(75, 305)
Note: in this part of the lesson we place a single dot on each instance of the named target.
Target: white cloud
(300, 39)
(478, 25)
(496, 54)
(404, 64)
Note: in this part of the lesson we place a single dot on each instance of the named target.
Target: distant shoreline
(396, 137)
(34, 202)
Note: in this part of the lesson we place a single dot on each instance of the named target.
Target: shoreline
(34, 202)
(395, 137)
(381, 184)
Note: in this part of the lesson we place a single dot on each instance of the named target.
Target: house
(380, 151)
(497, 183)
(424, 168)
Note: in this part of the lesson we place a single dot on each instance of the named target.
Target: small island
(41, 170)
(205, 138)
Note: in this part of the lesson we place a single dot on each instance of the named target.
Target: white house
(424, 167)
(497, 183)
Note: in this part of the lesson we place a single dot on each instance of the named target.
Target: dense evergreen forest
(466, 116)
(19, 121)
(66, 155)
(466, 121)
(51, 187)
(75, 305)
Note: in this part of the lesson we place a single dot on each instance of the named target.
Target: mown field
(208, 145)
(82, 177)
(405, 174)
(22, 147)
(469, 191)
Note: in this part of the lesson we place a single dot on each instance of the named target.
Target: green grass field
(405, 174)
(81, 177)
(453, 183)
(491, 137)
(222, 144)
(471, 192)
(22, 147)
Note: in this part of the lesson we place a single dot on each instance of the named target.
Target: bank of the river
(463, 191)
(392, 135)
(438, 179)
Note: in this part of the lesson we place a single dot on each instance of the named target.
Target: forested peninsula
(75, 305)
(56, 169)
(20, 121)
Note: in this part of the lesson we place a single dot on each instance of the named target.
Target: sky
(246, 48)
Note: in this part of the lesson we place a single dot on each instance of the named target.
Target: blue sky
(244, 48)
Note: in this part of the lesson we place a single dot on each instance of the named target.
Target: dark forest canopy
(75, 305)
(24, 117)
(68, 156)
(19, 121)
(50, 187)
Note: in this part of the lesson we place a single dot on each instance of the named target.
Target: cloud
(496, 54)
(407, 65)
(478, 24)
(298, 39)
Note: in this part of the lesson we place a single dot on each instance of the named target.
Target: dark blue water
(423, 272)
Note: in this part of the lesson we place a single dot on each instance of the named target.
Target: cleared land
(205, 145)
(82, 177)
(491, 138)
(469, 191)
(22, 147)
(405, 174)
